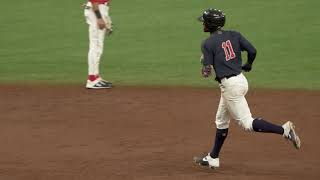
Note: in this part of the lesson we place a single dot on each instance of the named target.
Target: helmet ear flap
(205, 28)
(213, 28)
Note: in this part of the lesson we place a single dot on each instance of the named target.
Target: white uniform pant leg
(234, 90)
(99, 51)
(96, 42)
(102, 33)
(222, 115)
(96, 38)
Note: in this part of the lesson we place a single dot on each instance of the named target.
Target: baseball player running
(222, 52)
(97, 17)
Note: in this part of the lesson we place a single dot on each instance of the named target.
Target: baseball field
(160, 112)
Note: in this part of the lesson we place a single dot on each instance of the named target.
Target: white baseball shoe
(207, 161)
(98, 84)
(105, 82)
(291, 135)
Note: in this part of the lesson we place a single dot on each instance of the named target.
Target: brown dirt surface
(70, 133)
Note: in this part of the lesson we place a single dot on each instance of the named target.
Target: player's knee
(99, 49)
(246, 124)
(222, 125)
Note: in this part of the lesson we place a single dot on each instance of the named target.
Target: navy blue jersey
(223, 50)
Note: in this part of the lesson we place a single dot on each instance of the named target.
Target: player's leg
(93, 56)
(222, 123)
(99, 50)
(234, 92)
(100, 41)
(100, 44)
(287, 130)
(261, 125)
(93, 81)
(93, 43)
(240, 111)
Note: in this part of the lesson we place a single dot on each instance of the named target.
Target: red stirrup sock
(92, 77)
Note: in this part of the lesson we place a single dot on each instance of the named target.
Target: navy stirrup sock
(260, 125)
(221, 135)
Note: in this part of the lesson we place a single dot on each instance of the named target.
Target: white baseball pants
(233, 103)
(96, 36)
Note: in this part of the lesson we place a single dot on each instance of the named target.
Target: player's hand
(109, 2)
(109, 27)
(206, 71)
(101, 24)
(109, 31)
(247, 67)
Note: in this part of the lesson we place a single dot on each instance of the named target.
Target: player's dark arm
(245, 45)
(207, 60)
(207, 55)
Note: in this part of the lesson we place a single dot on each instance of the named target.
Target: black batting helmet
(213, 19)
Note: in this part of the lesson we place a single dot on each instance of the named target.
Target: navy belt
(227, 76)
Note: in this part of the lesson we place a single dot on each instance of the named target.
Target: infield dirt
(68, 132)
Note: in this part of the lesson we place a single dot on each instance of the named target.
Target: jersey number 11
(228, 50)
